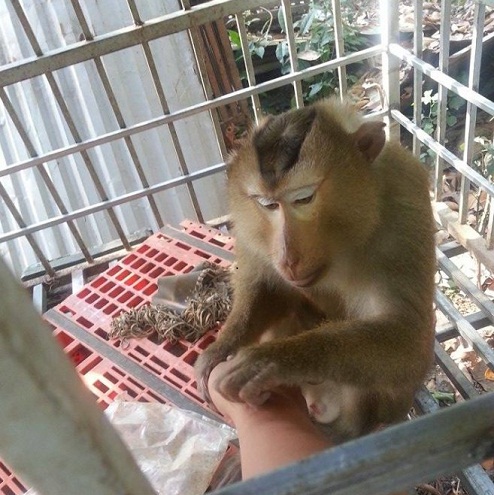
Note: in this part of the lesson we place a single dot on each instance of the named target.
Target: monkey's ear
(370, 139)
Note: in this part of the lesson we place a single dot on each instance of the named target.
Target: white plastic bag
(177, 450)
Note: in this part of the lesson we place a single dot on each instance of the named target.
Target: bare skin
(275, 434)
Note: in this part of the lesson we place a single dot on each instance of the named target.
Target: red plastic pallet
(209, 235)
(131, 283)
(9, 483)
(104, 379)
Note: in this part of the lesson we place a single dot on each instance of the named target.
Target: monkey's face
(297, 193)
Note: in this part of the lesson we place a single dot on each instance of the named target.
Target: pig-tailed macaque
(333, 290)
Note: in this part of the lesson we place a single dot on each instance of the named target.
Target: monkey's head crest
(277, 142)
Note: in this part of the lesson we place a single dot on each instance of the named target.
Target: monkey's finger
(258, 389)
(254, 397)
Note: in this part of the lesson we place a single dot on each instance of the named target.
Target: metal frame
(377, 467)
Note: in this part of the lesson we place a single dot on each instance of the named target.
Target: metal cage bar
(166, 110)
(339, 46)
(474, 477)
(249, 66)
(471, 113)
(442, 93)
(418, 44)
(194, 109)
(43, 173)
(116, 110)
(292, 50)
(390, 63)
(30, 239)
(69, 121)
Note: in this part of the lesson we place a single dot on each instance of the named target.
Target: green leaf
(456, 102)
(234, 37)
(306, 22)
(315, 88)
(447, 398)
(281, 19)
(259, 50)
(282, 51)
(451, 120)
(428, 127)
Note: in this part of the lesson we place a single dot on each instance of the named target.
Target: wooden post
(52, 433)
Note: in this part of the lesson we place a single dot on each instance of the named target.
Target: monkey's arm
(381, 354)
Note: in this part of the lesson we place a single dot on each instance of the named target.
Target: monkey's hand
(250, 377)
(213, 355)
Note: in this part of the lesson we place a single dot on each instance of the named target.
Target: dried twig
(209, 304)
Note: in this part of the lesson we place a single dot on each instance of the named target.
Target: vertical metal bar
(78, 280)
(68, 119)
(184, 169)
(195, 40)
(292, 50)
(43, 173)
(29, 237)
(39, 298)
(134, 12)
(418, 42)
(471, 113)
(339, 45)
(116, 110)
(249, 66)
(442, 93)
(490, 226)
(390, 63)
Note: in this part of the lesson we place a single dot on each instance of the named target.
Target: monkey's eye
(267, 203)
(271, 206)
(304, 201)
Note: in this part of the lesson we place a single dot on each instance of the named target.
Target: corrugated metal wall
(95, 98)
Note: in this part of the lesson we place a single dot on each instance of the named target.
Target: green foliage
(315, 42)
(430, 107)
(483, 161)
(257, 44)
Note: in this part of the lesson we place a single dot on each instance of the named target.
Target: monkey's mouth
(309, 280)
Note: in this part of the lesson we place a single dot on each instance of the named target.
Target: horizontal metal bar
(476, 481)
(393, 459)
(123, 38)
(459, 380)
(105, 205)
(465, 329)
(192, 110)
(180, 235)
(479, 297)
(153, 382)
(473, 477)
(447, 331)
(77, 260)
(450, 157)
(443, 79)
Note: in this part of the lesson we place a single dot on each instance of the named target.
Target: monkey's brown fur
(335, 279)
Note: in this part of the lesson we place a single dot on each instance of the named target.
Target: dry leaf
(489, 375)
